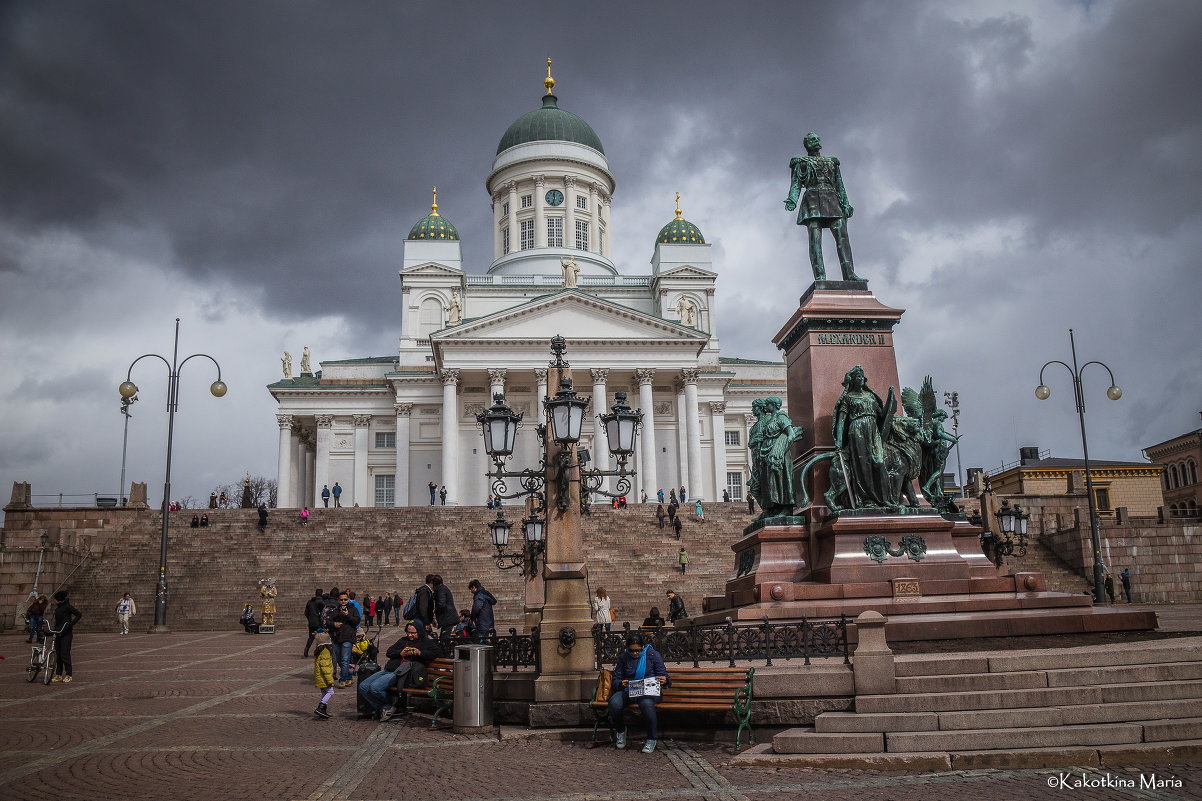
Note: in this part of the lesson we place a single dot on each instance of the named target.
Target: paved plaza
(225, 715)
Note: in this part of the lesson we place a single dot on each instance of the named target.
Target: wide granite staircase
(1056, 572)
(1133, 704)
(213, 571)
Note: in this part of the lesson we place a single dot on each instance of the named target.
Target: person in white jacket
(602, 609)
(126, 608)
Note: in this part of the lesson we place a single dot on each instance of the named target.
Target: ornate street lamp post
(125, 404)
(1013, 522)
(1114, 393)
(554, 510)
(127, 390)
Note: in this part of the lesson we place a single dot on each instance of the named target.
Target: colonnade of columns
(304, 456)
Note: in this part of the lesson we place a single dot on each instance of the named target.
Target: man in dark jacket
(313, 617)
(406, 667)
(343, 625)
(625, 671)
(444, 605)
(65, 618)
(675, 607)
(386, 605)
(482, 604)
(424, 613)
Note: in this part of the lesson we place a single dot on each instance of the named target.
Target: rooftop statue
(306, 367)
(771, 481)
(824, 205)
(571, 272)
(287, 363)
(455, 310)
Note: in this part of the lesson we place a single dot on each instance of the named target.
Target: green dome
(680, 232)
(434, 226)
(549, 123)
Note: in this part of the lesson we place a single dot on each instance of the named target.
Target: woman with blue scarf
(637, 663)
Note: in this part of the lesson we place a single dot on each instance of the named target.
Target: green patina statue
(769, 441)
(879, 454)
(824, 205)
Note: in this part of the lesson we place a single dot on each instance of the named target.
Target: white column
(540, 378)
(569, 212)
(497, 209)
(308, 474)
(514, 244)
(496, 383)
(692, 423)
(594, 230)
(682, 441)
(540, 219)
(718, 427)
(600, 406)
(321, 468)
(284, 466)
(403, 410)
(450, 433)
(361, 493)
(647, 443)
(296, 483)
(607, 247)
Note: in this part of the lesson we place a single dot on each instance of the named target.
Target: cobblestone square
(204, 715)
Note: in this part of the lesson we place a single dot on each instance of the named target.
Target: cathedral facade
(385, 428)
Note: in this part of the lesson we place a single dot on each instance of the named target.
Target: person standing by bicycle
(65, 618)
(35, 616)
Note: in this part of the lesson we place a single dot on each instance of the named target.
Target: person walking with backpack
(444, 605)
(683, 558)
(325, 495)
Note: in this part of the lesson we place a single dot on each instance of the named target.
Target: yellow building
(1134, 485)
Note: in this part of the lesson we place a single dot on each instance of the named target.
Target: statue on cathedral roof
(287, 363)
(306, 367)
(571, 272)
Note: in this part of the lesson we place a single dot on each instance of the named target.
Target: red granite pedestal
(823, 568)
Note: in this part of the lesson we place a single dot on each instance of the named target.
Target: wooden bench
(719, 689)
(440, 686)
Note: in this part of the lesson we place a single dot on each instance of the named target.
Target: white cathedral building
(384, 428)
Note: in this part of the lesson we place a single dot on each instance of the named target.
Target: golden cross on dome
(434, 205)
(549, 82)
(678, 207)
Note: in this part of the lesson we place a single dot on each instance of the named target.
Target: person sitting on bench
(639, 662)
(248, 620)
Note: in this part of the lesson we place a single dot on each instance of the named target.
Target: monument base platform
(935, 584)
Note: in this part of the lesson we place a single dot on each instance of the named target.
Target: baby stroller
(249, 625)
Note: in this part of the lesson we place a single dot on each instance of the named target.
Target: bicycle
(44, 655)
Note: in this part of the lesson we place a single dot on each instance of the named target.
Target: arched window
(430, 317)
(1193, 472)
(1174, 479)
(1164, 479)
(1173, 510)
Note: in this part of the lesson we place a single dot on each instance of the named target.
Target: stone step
(972, 682)
(940, 665)
(1024, 717)
(1149, 691)
(1125, 674)
(804, 740)
(993, 699)
(1026, 737)
(1136, 710)
(1176, 729)
(1057, 659)
(861, 722)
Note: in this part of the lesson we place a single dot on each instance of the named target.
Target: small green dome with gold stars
(434, 225)
(680, 231)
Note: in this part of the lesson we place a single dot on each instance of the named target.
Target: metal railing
(512, 650)
(730, 642)
(75, 499)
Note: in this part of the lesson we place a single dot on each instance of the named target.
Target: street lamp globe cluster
(565, 414)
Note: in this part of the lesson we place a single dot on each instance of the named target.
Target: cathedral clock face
(554, 197)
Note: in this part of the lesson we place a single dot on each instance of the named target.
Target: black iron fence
(510, 650)
(731, 642)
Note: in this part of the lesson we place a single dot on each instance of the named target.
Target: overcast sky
(1017, 169)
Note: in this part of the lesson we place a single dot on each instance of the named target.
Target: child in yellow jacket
(323, 672)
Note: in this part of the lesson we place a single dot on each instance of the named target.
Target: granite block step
(1136, 710)
(804, 740)
(835, 722)
(1149, 691)
(1028, 737)
(940, 665)
(973, 682)
(1057, 659)
(995, 699)
(1125, 674)
(1179, 729)
(1025, 717)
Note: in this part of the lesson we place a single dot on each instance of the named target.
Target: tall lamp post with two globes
(555, 492)
(1043, 392)
(127, 390)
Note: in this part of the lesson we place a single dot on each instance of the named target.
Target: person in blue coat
(626, 670)
(482, 604)
(337, 494)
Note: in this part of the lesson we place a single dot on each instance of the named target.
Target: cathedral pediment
(432, 269)
(686, 271)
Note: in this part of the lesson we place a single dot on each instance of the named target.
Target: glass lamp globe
(218, 388)
(1043, 392)
(128, 389)
(1114, 393)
